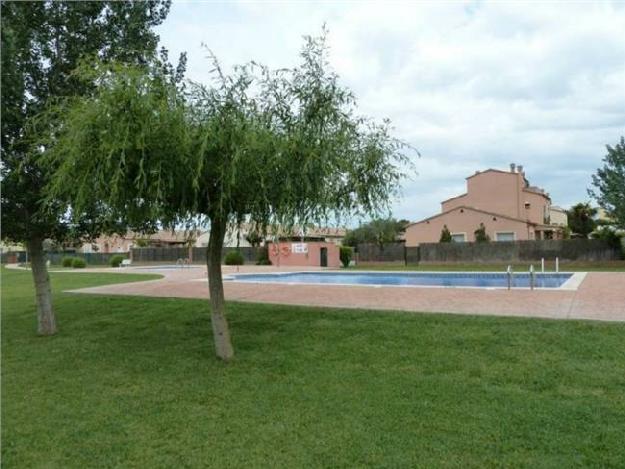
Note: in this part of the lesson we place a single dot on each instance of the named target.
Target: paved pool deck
(600, 296)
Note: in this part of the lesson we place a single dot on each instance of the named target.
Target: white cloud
(472, 85)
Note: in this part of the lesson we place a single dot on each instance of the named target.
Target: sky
(472, 85)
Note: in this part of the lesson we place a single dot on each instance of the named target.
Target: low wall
(492, 252)
(55, 258)
(372, 253)
(519, 251)
(158, 255)
(250, 254)
(195, 255)
(91, 258)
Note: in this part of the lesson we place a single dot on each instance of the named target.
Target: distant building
(504, 201)
(123, 243)
(238, 235)
(7, 246)
(558, 216)
(235, 236)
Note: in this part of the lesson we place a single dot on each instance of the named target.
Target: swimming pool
(414, 279)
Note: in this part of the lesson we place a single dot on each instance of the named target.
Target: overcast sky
(472, 85)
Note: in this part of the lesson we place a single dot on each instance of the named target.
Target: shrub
(609, 235)
(67, 261)
(445, 235)
(346, 255)
(234, 258)
(480, 234)
(263, 257)
(78, 263)
(566, 232)
(116, 260)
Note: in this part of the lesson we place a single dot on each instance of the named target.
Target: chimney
(512, 167)
(520, 168)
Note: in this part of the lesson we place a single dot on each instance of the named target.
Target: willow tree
(261, 146)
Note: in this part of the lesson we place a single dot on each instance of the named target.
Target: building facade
(124, 243)
(238, 235)
(503, 202)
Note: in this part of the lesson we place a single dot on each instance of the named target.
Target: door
(324, 257)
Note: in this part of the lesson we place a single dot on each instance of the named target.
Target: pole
(509, 272)
(532, 277)
(542, 265)
(557, 265)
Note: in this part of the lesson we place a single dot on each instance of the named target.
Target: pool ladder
(510, 276)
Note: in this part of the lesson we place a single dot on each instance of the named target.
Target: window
(458, 237)
(505, 236)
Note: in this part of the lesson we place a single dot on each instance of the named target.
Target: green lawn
(132, 382)
(606, 266)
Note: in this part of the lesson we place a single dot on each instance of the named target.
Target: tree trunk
(45, 315)
(221, 333)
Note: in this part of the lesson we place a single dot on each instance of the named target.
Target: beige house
(123, 243)
(234, 237)
(503, 201)
(237, 236)
(7, 246)
(558, 216)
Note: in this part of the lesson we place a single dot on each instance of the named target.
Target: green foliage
(379, 231)
(67, 261)
(566, 232)
(608, 234)
(234, 258)
(42, 44)
(141, 243)
(79, 263)
(346, 253)
(445, 235)
(116, 260)
(609, 183)
(581, 219)
(263, 257)
(267, 146)
(254, 238)
(480, 234)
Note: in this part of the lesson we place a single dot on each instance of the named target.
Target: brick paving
(601, 295)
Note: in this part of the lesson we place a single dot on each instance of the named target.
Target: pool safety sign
(299, 248)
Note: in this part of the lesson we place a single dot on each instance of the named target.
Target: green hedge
(346, 255)
(234, 258)
(263, 257)
(116, 260)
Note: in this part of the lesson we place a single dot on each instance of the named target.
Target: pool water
(440, 279)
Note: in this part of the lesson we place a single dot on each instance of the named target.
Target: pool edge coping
(571, 284)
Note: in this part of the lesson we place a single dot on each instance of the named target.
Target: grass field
(607, 266)
(132, 382)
